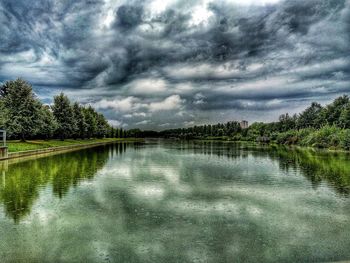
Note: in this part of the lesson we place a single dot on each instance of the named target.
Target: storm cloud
(166, 63)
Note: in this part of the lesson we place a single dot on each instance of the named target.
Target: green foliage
(3, 114)
(288, 137)
(16, 146)
(293, 136)
(327, 136)
(333, 111)
(24, 116)
(287, 123)
(316, 126)
(344, 119)
(81, 125)
(63, 112)
(101, 125)
(218, 130)
(345, 141)
(91, 123)
(47, 123)
(311, 117)
(22, 108)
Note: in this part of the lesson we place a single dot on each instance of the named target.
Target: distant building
(244, 124)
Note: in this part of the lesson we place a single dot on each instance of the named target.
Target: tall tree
(47, 123)
(81, 125)
(287, 122)
(91, 122)
(22, 108)
(344, 119)
(101, 126)
(333, 111)
(63, 112)
(310, 117)
(3, 114)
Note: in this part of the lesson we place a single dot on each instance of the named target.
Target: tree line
(318, 126)
(24, 116)
(217, 130)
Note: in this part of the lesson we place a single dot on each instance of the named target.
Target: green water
(166, 201)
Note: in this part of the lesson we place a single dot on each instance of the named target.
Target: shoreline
(274, 144)
(79, 146)
(63, 149)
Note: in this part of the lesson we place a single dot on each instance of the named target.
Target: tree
(255, 130)
(47, 123)
(3, 114)
(64, 115)
(22, 108)
(311, 117)
(101, 126)
(344, 119)
(81, 125)
(91, 123)
(333, 111)
(112, 132)
(287, 122)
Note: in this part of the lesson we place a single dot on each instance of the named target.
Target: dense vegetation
(25, 117)
(316, 126)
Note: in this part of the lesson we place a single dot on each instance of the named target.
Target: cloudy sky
(168, 63)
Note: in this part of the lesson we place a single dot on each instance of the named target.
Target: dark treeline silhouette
(25, 117)
(217, 130)
(316, 126)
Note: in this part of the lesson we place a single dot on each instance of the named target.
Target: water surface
(173, 201)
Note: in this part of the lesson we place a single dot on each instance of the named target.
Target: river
(176, 201)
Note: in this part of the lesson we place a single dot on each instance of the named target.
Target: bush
(345, 140)
(289, 137)
(292, 137)
(327, 136)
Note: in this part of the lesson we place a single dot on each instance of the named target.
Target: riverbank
(18, 149)
(315, 147)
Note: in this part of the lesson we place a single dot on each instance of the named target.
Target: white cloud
(115, 123)
(125, 104)
(147, 86)
(165, 124)
(172, 102)
(201, 14)
(199, 99)
(254, 2)
(189, 123)
(207, 70)
(159, 6)
(144, 122)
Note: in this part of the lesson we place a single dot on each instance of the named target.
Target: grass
(17, 146)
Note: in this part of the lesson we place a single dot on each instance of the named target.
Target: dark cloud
(129, 16)
(195, 59)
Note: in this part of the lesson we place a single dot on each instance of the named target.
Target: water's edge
(58, 149)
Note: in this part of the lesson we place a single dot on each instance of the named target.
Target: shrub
(327, 136)
(288, 137)
(345, 140)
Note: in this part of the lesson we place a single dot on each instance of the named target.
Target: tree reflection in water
(316, 165)
(177, 201)
(21, 182)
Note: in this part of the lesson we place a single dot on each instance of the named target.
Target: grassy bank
(327, 137)
(18, 146)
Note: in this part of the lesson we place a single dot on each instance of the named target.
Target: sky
(160, 64)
